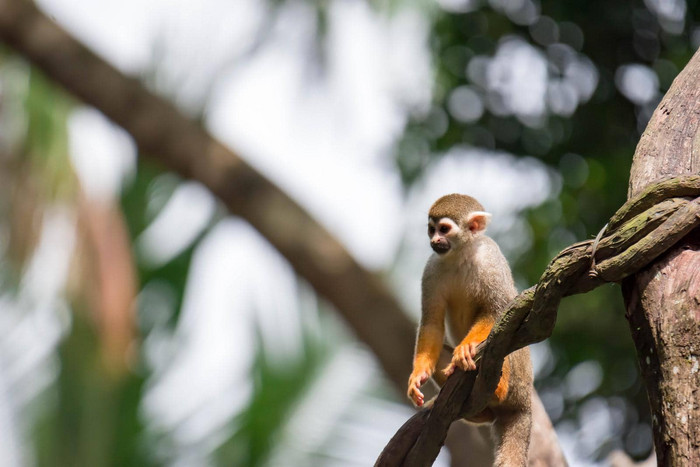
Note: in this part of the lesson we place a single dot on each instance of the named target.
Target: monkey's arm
(428, 347)
(465, 351)
(428, 343)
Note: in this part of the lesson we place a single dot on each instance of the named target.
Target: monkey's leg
(501, 391)
(512, 431)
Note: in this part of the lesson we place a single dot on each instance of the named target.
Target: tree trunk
(663, 300)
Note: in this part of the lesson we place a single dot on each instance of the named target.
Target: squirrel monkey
(468, 284)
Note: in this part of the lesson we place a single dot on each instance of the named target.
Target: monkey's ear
(478, 220)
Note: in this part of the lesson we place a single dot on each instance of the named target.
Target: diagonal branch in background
(164, 136)
(636, 241)
(171, 140)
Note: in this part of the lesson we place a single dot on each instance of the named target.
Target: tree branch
(531, 316)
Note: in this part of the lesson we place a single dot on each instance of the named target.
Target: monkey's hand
(415, 381)
(462, 357)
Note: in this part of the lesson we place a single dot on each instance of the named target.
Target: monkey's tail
(512, 432)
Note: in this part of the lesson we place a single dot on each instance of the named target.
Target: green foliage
(277, 390)
(46, 143)
(142, 200)
(93, 416)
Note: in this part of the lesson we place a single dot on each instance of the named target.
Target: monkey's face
(443, 233)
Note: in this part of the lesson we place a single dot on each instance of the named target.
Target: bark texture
(163, 135)
(663, 299)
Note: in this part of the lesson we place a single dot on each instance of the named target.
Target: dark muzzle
(440, 247)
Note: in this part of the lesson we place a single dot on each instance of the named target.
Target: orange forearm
(479, 331)
(428, 346)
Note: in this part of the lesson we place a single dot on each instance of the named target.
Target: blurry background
(142, 325)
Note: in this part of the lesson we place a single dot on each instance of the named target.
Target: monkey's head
(454, 220)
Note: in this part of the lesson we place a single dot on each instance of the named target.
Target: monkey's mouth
(440, 248)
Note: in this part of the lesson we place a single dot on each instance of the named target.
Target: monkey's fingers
(463, 357)
(414, 383)
(471, 354)
(419, 400)
(449, 369)
(416, 396)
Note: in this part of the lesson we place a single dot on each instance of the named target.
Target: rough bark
(663, 299)
(163, 135)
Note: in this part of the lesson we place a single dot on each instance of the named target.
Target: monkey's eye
(444, 228)
(431, 230)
